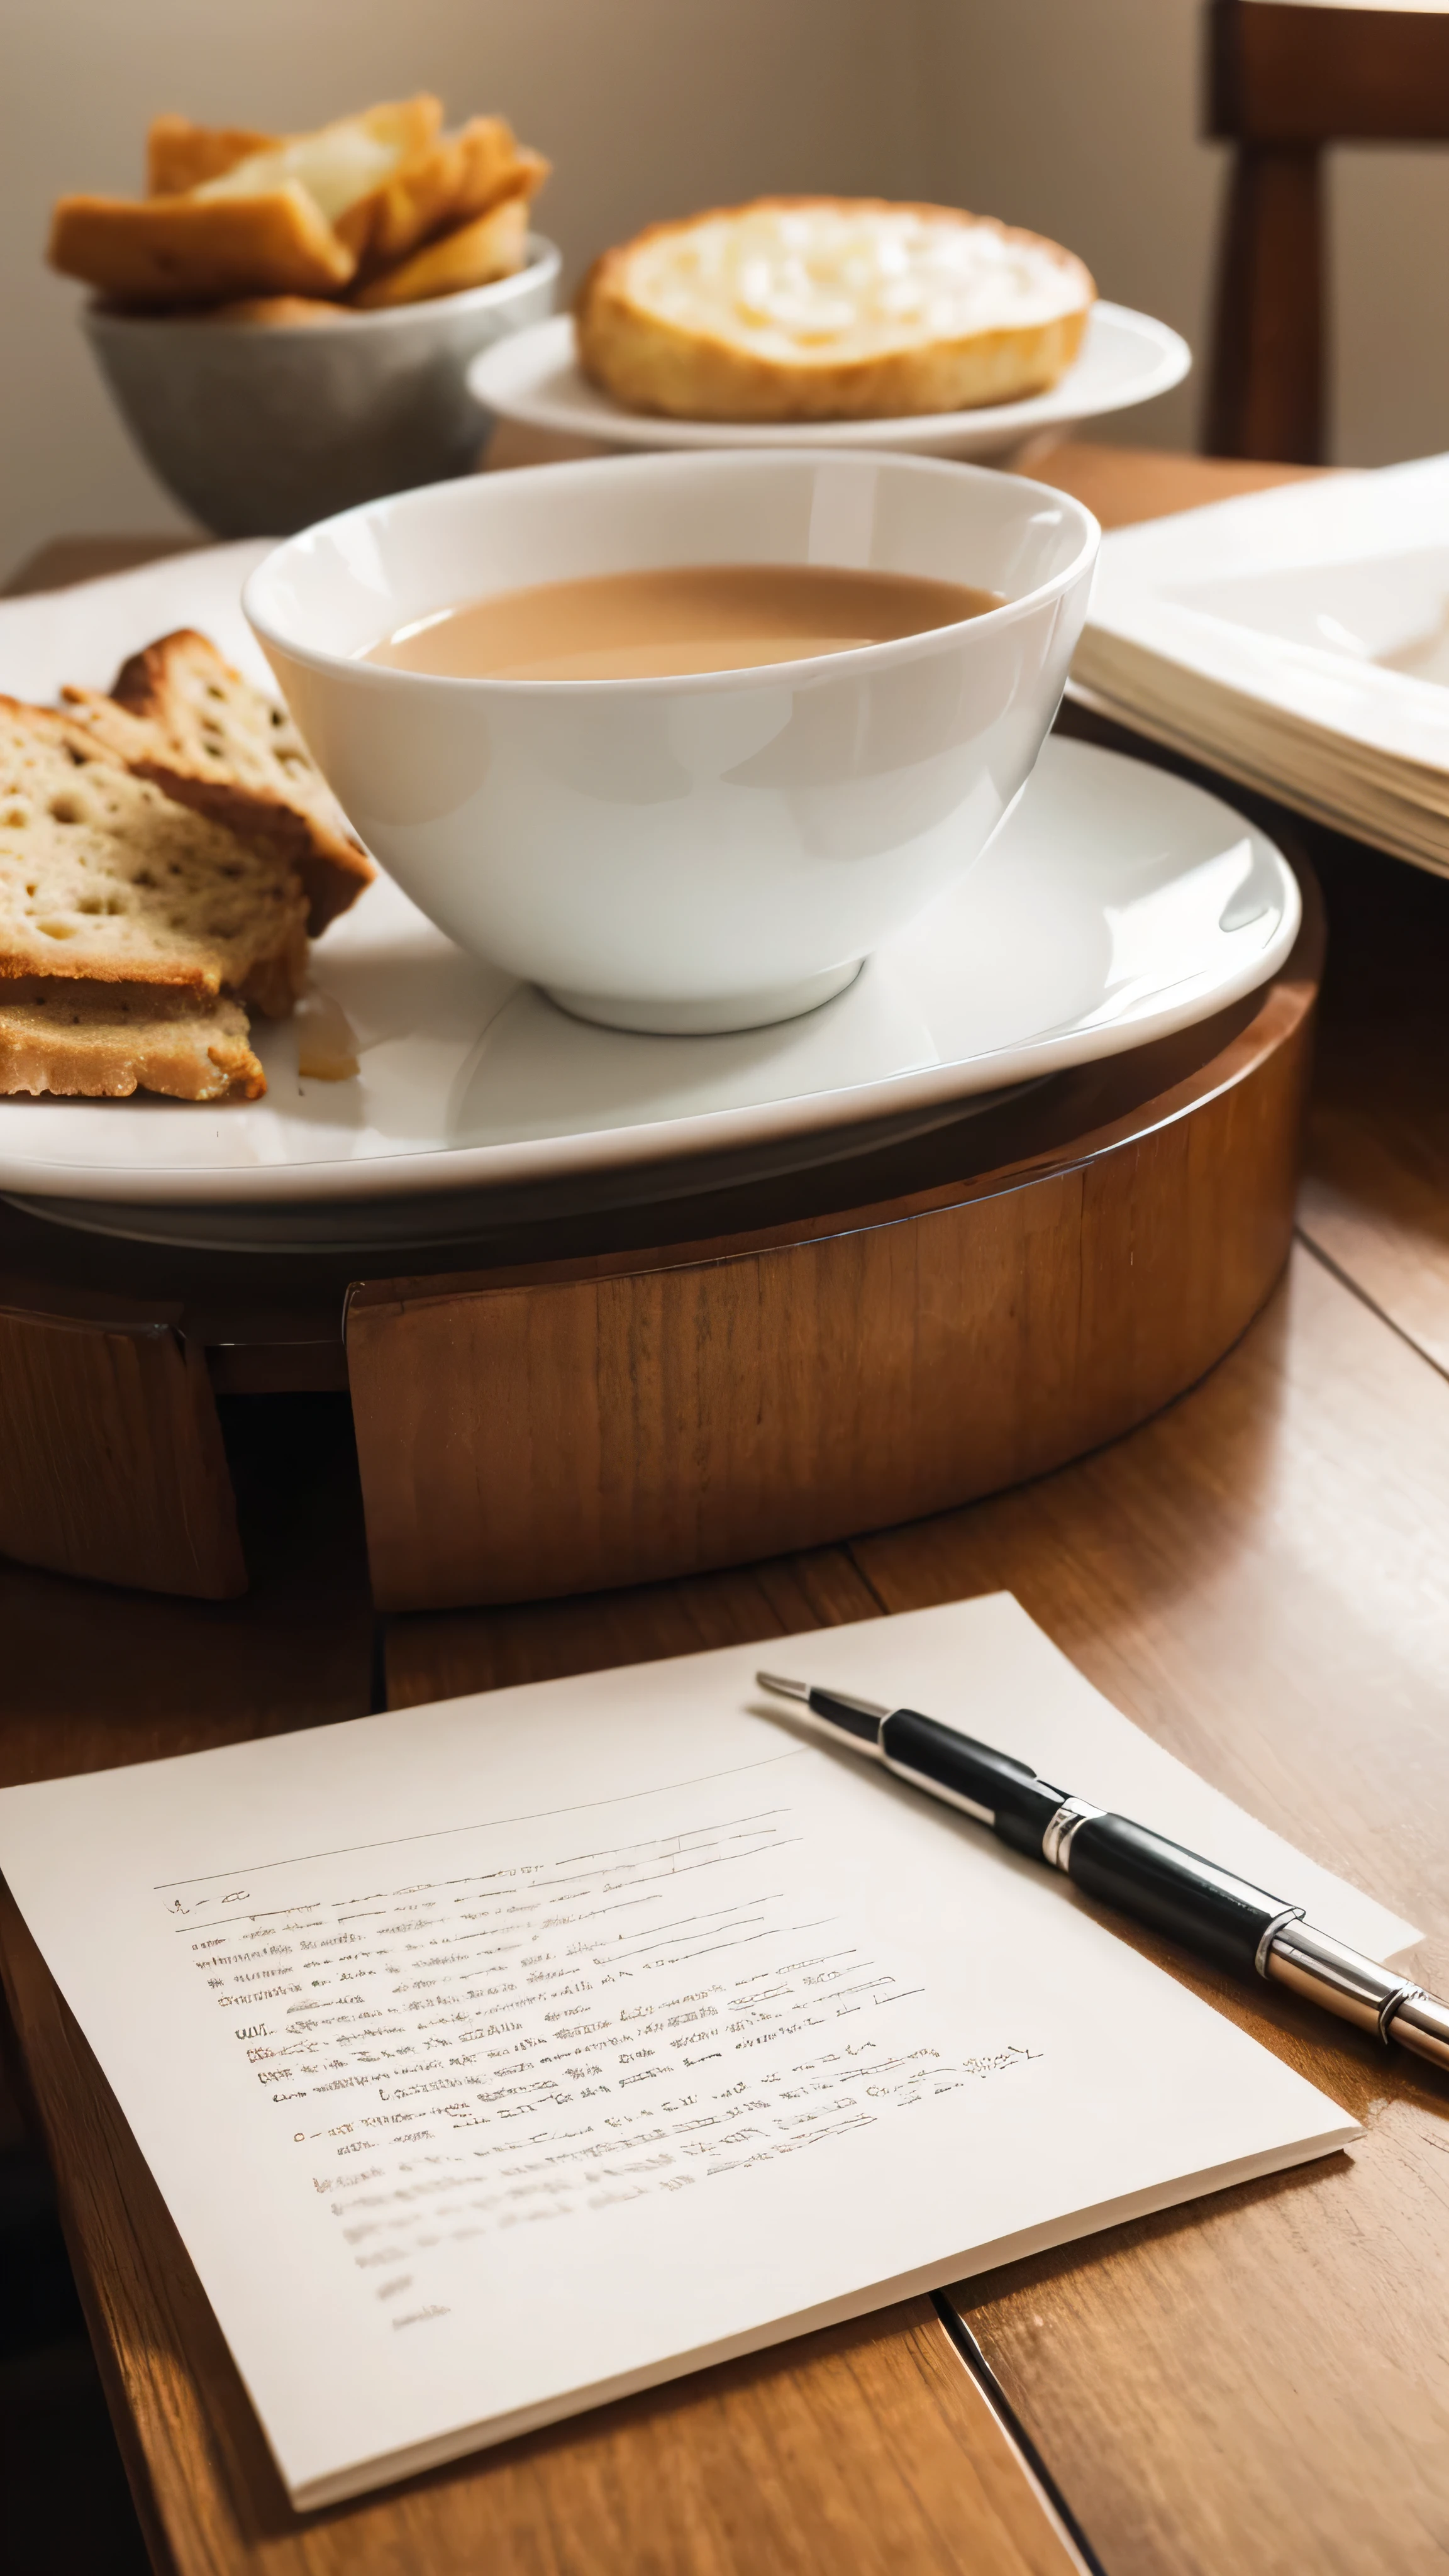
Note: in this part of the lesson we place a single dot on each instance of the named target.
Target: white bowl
(259, 429)
(704, 853)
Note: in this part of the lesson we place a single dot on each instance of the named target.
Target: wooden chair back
(1286, 80)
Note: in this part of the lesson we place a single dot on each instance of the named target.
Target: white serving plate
(534, 378)
(1115, 906)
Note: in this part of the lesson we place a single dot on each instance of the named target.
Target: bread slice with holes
(106, 1041)
(106, 879)
(181, 716)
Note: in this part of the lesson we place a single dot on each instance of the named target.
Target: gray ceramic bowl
(259, 431)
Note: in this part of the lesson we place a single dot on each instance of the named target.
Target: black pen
(1122, 1864)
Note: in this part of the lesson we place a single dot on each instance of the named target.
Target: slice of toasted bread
(105, 1041)
(181, 716)
(337, 164)
(487, 176)
(180, 155)
(200, 249)
(232, 214)
(492, 246)
(828, 308)
(105, 879)
(454, 178)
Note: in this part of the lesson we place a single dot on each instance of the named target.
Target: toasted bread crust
(179, 715)
(652, 363)
(236, 217)
(437, 189)
(155, 251)
(180, 155)
(105, 879)
(104, 1042)
(493, 245)
(486, 180)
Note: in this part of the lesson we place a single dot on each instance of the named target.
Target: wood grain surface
(1280, 72)
(1253, 1577)
(111, 1461)
(633, 1416)
(93, 1676)
(1255, 2384)
(1286, 81)
(568, 1404)
(1268, 370)
(1249, 1577)
(1376, 1198)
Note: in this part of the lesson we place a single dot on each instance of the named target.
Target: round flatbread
(830, 308)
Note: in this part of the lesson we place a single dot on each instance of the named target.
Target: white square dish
(1299, 640)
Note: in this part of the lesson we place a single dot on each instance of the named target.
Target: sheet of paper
(502, 2056)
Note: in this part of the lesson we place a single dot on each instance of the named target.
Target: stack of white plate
(1298, 640)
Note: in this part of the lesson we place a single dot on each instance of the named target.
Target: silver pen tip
(785, 1690)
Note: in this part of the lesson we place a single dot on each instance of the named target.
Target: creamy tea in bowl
(682, 738)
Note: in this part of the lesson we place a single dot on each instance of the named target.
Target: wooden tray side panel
(521, 1441)
(111, 1458)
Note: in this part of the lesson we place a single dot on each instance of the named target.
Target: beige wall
(1079, 117)
(1075, 116)
(646, 107)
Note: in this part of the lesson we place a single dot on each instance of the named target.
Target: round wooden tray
(581, 1398)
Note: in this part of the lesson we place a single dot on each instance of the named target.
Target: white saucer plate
(534, 378)
(1116, 905)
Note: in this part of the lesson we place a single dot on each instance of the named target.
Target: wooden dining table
(1254, 2384)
